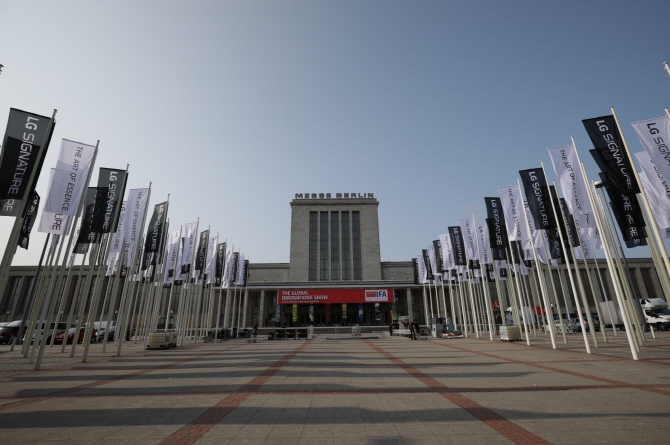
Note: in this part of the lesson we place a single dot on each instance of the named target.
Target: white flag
(655, 137)
(112, 263)
(118, 244)
(173, 257)
(69, 180)
(515, 216)
(188, 251)
(423, 272)
(227, 269)
(431, 257)
(55, 223)
(573, 185)
(241, 270)
(211, 258)
(483, 243)
(133, 223)
(447, 254)
(501, 269)
(70, 260)
(469, 238)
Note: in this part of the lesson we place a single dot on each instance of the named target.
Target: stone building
(335, 276)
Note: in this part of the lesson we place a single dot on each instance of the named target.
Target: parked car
(110, 334)
(71, 333)
(53, 330)
(9, 331)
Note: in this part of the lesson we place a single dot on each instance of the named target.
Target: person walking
(412, 332)
(255, 329)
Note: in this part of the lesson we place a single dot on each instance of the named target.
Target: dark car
(110, 334)
(9, 331)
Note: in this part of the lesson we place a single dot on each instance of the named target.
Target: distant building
(335, 276)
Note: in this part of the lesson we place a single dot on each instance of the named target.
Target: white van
(656, 313)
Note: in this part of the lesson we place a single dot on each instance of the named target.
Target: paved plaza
(338, 389)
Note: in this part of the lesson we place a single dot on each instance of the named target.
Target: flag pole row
(512, 260)
(152, 272)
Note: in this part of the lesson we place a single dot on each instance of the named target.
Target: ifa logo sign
(377, 295)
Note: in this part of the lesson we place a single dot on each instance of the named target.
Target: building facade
(335, 277)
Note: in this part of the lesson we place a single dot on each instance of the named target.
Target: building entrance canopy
(322, 296)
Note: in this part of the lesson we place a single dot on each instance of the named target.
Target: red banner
(327, 296)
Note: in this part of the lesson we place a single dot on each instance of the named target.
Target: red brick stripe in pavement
(615, 383)
(198, 427)
(502, 425)
(69, 391)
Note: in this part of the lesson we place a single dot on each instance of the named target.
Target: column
(226, 310)
(409, 304)
(245, 305)
(261, 310)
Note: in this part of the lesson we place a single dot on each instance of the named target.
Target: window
(346, 249)
(356, 238)
(324, 246)
(313, 245)
(334, 245)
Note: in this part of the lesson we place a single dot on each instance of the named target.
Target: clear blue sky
(233, 107)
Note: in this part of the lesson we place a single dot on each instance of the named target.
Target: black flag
(21, 147)
(537, 193)
(607, 140)
(153, 244)
(495, 222)
(201, 253)
(457, 245)
(438, 256)
(627, 213)
(29, 217)
(220, 263)
(429, 268)
(93, 213)
(415, 268)
(114, 180)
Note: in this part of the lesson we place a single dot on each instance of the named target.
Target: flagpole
(559, 309)
(93, 254)
(71, 236)
(518, 295)
(461, 304)
(218, 310)
(425, 300)
(130, 282)
(531, 235)
(77, 286)
(33, 290)
(98, 289)
(582, 242)
(112, 303)
(153, 308)
(637, 321)
(610, 264)
(172, 285)
(602, 288)
(201, 297)
(36, 302)
(567, 265)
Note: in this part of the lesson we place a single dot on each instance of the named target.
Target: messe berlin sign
(320, 296)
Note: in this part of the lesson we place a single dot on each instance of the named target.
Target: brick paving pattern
(343, 390)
